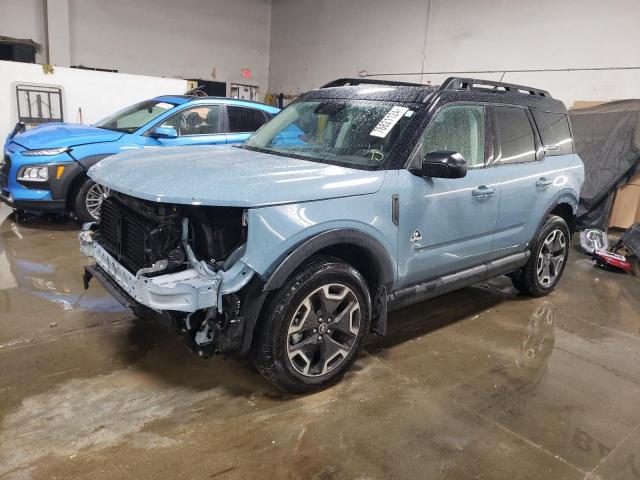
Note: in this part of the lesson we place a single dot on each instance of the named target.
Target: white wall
(295, 45)
(168, 38)
(98, 93)
(186, 38)
(314, 41)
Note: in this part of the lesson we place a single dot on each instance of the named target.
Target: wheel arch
(352, 246)
(81, 175)
(564, 206)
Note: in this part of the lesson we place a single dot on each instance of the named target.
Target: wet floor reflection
(39, 257)
(480, 383)
(538, 341)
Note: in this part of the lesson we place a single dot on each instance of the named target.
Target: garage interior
(479, 383)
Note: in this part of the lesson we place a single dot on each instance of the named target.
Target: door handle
(543, 182)
(483, 191)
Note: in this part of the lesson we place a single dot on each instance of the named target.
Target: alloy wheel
(94, 198)
(551, 257)
(323, 330)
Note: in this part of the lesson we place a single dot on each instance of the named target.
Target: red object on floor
(611, 260)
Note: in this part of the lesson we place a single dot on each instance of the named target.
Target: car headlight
(34, 174)
(45, 152)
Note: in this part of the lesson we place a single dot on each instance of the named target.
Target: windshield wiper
(121, 130)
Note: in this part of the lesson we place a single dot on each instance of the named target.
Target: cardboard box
(626, 210)
(635, 180)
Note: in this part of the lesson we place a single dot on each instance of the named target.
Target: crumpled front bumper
(186, 291)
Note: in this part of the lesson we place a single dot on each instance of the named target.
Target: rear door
(197, 125)
(528, 180)
(243, 121)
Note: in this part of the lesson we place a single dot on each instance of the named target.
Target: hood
(55, 135)
(228, 176)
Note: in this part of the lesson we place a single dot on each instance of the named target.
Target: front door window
(200, 120)
(458, 128)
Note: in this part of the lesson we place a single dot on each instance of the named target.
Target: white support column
(58, 43)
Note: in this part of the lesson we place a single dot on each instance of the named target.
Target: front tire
(88, 200)
(548, 259)
(313, 327)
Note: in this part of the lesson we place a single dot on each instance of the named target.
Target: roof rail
(344, 82)
(461, 83)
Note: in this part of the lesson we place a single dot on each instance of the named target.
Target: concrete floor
(477, 384)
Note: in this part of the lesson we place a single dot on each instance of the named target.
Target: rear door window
(515, 133)
(555, 132)
(243, 120)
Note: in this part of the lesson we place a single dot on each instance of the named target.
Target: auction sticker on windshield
(388, 122)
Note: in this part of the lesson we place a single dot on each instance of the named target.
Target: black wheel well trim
(334, 238)
(78, 178)
(257, 292)
(91, 160)
(563, 199)
(253, 299)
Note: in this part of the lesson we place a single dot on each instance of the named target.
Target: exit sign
(246, 73)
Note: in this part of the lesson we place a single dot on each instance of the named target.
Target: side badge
(416, 236)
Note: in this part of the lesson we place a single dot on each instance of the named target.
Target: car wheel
(313, 327)
(88, 201)
(548, 258)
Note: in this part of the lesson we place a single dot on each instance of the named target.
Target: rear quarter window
(515, 132)
(554, 131)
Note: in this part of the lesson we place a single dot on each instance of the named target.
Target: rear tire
(88, 200)
(548, 259)
(313, 327)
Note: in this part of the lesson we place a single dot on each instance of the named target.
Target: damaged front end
(180, 264)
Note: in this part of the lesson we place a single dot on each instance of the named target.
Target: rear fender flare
(563, 197)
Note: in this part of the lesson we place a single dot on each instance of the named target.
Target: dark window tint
(555, 132)
(17, 53)
(517, 143)
(245, 119)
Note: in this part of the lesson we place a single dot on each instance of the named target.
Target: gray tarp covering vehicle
(607, 138)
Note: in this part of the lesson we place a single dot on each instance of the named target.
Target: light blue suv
(44, 169)
(358, 198)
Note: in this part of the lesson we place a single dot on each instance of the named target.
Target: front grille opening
(136, 241)
(138, 233)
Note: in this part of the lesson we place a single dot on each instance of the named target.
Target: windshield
(132, 118)
(353, 133)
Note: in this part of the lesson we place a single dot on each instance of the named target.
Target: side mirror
(164, 132)
(442, 164)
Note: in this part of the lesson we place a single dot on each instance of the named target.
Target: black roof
(366, 89)
(469, 89)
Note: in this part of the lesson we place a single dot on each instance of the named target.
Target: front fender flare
(257, 291)
(337, 236)
(75, 172)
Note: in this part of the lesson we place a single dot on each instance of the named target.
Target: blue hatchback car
(44, 169)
